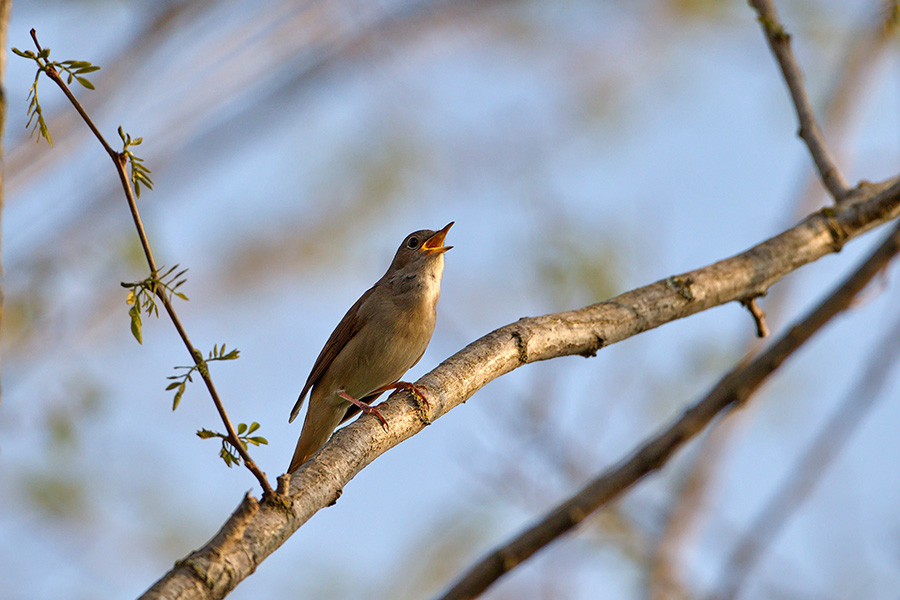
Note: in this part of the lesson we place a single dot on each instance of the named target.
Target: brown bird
(381, 337)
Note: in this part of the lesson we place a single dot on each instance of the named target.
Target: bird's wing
(345, 330)
(353, 409)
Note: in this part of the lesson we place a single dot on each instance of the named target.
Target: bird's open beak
(435, 244)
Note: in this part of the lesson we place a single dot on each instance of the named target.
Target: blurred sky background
(583, 148)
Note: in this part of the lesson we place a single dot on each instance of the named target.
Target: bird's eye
(412, 242)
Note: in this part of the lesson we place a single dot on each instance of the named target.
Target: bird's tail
(306, 447)
(322, 419)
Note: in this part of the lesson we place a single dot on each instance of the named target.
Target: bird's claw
(366, 409)
(371, 410)
(417, 390)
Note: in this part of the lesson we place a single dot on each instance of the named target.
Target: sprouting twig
(120, 160)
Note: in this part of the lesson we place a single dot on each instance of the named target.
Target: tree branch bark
(215, 569)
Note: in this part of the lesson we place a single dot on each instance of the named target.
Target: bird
(383, 335)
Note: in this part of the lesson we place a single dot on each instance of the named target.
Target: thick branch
(578, 332)
(780, 43)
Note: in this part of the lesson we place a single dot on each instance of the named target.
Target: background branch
(733, 389)
(862, 53)
(809, 468)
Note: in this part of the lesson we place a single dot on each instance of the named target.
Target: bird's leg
(397, 386)
(365, 408)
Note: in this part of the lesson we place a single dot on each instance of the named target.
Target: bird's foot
(417, 390)
(366, 409)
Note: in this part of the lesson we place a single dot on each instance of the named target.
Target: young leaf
(178, 395)
(135, 313)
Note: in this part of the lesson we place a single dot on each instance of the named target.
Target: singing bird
(381, 337)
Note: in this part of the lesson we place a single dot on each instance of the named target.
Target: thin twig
(780, 44)
(119, 161)
(733, 390)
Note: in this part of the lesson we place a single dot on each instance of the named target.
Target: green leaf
(253, 427)
(178, 395)
(135, 313)
(85, 82)
(242, 427)
(45, 132)
(174, 384)
(24, 54)
(228, 456)
(205, 434)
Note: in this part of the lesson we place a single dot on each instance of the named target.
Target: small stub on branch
(759, 316)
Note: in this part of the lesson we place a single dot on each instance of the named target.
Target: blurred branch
(120, 161)
(732, 390)
(4, 30)
(215, 569)
(825, 447)
(780, 43)
(860, 56)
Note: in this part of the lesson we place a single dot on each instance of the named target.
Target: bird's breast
(397, 328)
